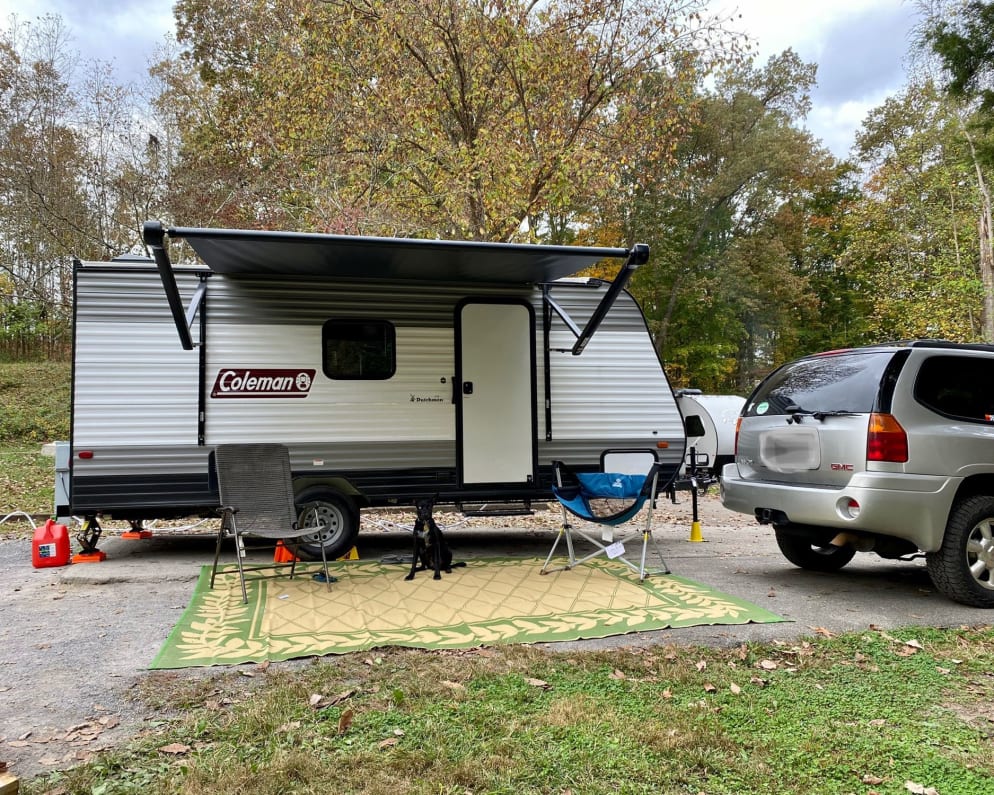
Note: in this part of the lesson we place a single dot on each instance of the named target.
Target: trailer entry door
(495, 393)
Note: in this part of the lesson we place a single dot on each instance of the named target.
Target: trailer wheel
(336, 513)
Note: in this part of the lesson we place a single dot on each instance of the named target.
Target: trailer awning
(257, 253)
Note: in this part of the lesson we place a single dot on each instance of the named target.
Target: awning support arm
(637, 257)
(154, 236)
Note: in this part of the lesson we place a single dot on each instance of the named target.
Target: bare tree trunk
(986, 243)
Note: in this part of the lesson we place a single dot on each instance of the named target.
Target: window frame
(389, 349)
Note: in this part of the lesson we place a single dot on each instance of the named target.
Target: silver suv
(887, 449)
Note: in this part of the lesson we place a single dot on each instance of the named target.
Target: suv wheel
(963, 567)
(803, 552)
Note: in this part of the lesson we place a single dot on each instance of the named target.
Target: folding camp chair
(608, 499)
(256, 489)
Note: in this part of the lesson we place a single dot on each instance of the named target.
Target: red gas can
(51, 545)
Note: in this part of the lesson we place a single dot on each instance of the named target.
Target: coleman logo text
(245, 383)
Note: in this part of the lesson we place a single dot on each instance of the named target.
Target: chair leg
(545, 566)
(217, 548)
(239, 554)
(324, 562)
(564, 531)
(647, 536)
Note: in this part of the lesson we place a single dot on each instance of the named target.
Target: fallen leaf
(345, 721)
(735, 688)
(919, 789)
(389, 742)
(701, 665)
(824, 632)
(914, 644)
(537, 683)
(667, 693)
(249, 674)
(455, 686)
(175, 749)
(872, 780)
(617, 674)
(767, 665)
(709, 688)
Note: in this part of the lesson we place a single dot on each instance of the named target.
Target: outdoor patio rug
(490, 601)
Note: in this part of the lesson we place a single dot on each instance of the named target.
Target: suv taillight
(886, 439)
(738, 426)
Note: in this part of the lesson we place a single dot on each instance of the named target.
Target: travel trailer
(714, 443)
(395, 370)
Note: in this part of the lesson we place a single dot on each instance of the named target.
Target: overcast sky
(859, 45)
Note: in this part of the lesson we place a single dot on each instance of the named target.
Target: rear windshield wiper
(796, 412)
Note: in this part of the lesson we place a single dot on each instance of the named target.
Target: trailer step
(487, 509)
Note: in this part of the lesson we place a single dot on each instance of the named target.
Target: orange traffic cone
(283, 555)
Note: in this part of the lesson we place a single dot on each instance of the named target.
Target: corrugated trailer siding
(279, 325)
(615, 394)
(132, 382)
(339, 411)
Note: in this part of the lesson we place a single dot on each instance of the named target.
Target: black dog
(431, 550)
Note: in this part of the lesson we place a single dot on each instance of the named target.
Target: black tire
(340, 518)
(807, 554)
(963, 567)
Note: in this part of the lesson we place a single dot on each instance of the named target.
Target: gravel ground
(76, 641)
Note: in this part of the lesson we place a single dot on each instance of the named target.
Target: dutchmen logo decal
(265, 383)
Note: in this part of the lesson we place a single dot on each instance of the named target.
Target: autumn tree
(479, 119)
(73, 173)
(960, 37)
(913, 237)
(723, 294)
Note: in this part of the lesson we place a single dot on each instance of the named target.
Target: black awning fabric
(259, 253)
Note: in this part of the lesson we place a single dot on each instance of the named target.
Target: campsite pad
(490, 601)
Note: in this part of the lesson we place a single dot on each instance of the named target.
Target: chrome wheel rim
(980, 553)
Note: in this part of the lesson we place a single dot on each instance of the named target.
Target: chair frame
(237, 497)
(607, 545)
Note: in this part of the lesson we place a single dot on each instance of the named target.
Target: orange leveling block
(88, 536)
(137, 530)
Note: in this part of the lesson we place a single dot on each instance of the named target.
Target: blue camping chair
(608, 499)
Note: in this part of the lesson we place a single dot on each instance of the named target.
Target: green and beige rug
(490, 601)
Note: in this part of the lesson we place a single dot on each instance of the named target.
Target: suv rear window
(957, 386)
(836, 382)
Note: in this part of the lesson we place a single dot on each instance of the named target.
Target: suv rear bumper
(912, 507)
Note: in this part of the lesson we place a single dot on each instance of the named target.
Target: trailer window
(359, 349)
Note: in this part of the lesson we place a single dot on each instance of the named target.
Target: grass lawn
(34, 409)
(871, 712)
